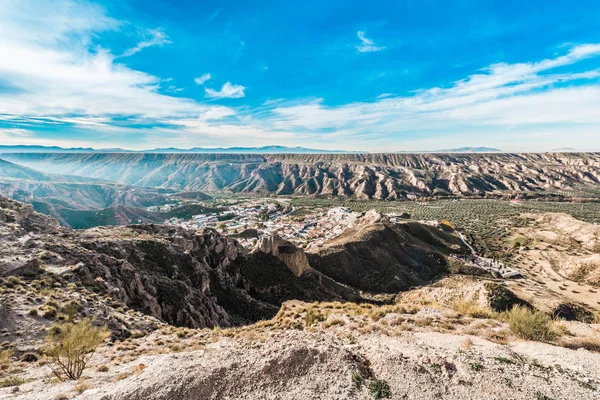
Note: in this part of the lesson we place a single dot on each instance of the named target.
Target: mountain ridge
(390, 176)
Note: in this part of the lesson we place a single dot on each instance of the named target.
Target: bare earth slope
(378, 176)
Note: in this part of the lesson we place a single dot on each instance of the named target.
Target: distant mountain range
(225, 150)
(201, 150)
(390, 176)
(458, 150)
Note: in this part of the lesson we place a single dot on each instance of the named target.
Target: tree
(70, 346)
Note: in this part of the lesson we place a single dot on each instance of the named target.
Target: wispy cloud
(367, 45)
(228, 90)
(155, 37)
(202, 79)
(47, 54)
(530, 96)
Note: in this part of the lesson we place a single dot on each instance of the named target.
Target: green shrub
(530, 324)
(380, 389)
(70, 346)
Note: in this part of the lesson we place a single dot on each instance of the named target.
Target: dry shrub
(334, 322)
(138, 369)
(5, 358)
(471, 308)
(530, 324)
(313, 316)
(70, 347)
(588, 343)
(377, 314)
(81, 386)
(466, 343)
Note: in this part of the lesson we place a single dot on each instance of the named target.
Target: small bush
(530, 324)
(103, 368)
(380, 389)
(71, 309)
(70, 347)
(50, 313)
(313, 316)
(33, 312)
(475, 366)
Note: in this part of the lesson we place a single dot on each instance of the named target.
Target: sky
(380, 76)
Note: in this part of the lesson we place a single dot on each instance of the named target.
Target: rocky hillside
(160, 289)
(173, 274)
(206, 279)
(374, 176)
(382, 257)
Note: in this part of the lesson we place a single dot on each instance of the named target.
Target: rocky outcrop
(364, 176)
(295, 258)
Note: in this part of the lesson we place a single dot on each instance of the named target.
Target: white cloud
(202, 79)
(228, 90)
(367, 45)
(48, 54)
(502, 95)
(155, 37)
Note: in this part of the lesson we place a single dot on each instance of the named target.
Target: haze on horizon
(390, 76)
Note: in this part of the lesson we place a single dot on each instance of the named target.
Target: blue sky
(367, 76)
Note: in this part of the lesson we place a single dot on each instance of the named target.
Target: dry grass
(138, 369)
(81, 386)
(334, 322)
(5, 358)
(530, 324)
(466, 343)
(471, 308)
(588, 343)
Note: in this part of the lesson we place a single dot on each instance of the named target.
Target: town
(247, 221)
